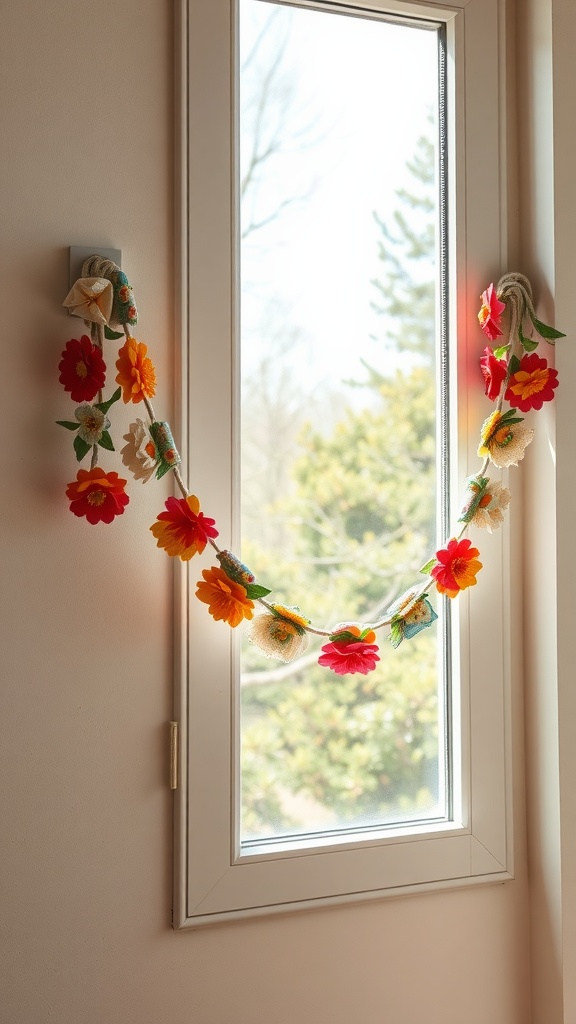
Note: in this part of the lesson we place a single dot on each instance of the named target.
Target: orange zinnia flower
(183, 529)
(226, 599)
(136, 374)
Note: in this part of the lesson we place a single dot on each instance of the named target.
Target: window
(283, 103)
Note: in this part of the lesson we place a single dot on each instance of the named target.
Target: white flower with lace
(139, 455)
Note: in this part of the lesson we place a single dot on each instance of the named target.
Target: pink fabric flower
(345, 657)
(457, 567)
(493, 371)
(490, 313)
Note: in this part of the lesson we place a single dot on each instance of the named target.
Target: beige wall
(86, 668)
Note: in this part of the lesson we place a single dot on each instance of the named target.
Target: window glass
(340, 467)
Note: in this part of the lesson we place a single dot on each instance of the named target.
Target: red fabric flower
(97, 495)
(183, 530)
(493, 371)
(532, 384)
(82, 369)
(345, 657)
(490, 313)
(457, 567)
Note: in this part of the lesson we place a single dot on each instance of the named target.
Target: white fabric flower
(139, 455)
(491, 515)
(92, 422)
(92, 299)
(279, 636)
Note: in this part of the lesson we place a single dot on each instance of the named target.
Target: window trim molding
(210, 883)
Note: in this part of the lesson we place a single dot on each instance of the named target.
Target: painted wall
(86, 96)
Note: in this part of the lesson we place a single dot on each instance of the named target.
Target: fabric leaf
(106, 441)
(80, 447)
(545, 331)
(254, 590)
(104, 406)
(68, 424)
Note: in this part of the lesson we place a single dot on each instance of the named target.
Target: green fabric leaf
(254, 590)
(68, 424)
(396, 635)
(344, 637)
(80, 447)
(106, 441)
(163, 468)
(550, 333)
(425, 570)
(104, 406)
(111, 335)
(513, 364)
(528, 344)
(499, 353)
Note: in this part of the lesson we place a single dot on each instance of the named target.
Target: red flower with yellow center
(136, 374)
(183, 530)
(493, 371)
(226, 599)
(82, 369)
(491, 313)
(97, 495)
(457, 567)
(532, 384)
(349, 655)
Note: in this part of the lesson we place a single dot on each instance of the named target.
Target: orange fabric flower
(183, 530)
(457, 567)
(136, 374)
(226, 599)
(97, 495)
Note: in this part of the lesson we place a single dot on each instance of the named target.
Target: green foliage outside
(354, 519)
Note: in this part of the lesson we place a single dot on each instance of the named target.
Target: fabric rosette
(490, 314)
(494, 373)
(350, 650)
(412, 612)
(279, 633)
(92, 299)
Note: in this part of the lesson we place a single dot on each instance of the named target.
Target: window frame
(211, 882)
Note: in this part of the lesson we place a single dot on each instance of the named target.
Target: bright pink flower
(532, 384)
(349, 656)
(493, 371)
(490, 313)
(457, 567)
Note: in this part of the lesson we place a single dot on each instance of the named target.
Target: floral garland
(513, 373)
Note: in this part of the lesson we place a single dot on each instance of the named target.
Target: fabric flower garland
(512, 373)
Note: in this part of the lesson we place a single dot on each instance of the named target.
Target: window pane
(339, 283)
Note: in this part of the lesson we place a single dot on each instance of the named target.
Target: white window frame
(212, 883)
